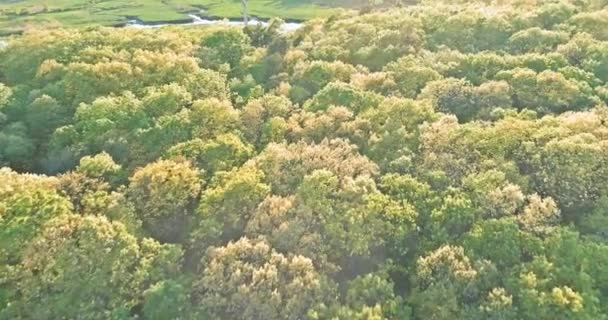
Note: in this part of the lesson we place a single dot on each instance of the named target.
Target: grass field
(16, 15)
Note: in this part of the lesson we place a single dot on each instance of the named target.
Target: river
(198, 21)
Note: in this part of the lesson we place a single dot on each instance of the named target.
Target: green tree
(224, 46)
(442, 278)
(314, 76)
(394, 131)
(166, 100)
(5, 94)
(248, 279)
(501, 242)
(87, 267)
(285, 165)
(166, 300)
(212, 117)
(593, 23)
(411, 77)
(16, 147)
(453, 96)
(536, 40)
(164, 194)
(341, 94)
(223, 211)
(569, 168)
(325, 221)
(259, 115)
(223, 153)
(27, 202)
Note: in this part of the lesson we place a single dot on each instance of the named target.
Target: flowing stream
(196, 21)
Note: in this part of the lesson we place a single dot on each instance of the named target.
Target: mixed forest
(447, 160)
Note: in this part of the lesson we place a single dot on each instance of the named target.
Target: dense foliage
(441, 161)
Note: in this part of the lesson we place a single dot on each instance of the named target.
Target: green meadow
(17, 15)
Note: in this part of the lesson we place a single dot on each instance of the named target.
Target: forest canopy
(446, 160)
